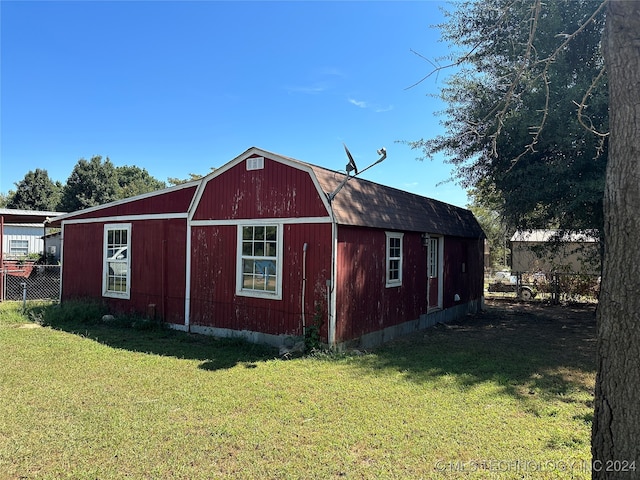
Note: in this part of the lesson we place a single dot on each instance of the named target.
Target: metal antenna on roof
(352, 167)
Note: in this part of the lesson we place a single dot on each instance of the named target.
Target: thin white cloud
(331, 71)
(358, 103)
(313, 89)
(364, 104)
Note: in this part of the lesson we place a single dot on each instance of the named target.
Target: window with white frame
(394, 259)
(116, 278)
(260, 261)
(18, 247)
(434, 254)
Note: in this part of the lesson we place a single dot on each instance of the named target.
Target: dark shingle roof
(369, 204)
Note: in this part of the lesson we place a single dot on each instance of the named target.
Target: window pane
(259, 258)
(272, 233)
(116, 261)
(394, 269)
(247, 281)
(270, 285)
(247, 266)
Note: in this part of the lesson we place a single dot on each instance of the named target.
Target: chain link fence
(31, 282)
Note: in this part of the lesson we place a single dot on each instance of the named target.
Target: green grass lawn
(507, 393)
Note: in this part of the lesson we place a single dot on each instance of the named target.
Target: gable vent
(255, 163)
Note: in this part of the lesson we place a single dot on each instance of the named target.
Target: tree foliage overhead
(95, 182)
(36, 191)
(92, 182)
(134, 180)
(512, 125)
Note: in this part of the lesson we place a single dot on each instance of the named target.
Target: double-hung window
(394, 259)
(116, 276)
(19, 247)
(260, 261)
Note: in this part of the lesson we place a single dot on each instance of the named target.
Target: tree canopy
(134, 180)
(528, 119)
(92, 182)
(36, 191)
(518, 106)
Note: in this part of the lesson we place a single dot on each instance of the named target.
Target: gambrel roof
(369, 204)
(359, 203)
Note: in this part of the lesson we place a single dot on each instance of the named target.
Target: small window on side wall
(259, 272)
(394, 259)
(116, 275)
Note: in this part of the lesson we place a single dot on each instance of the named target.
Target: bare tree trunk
(616, 424)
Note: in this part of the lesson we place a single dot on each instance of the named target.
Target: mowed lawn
(507, 393)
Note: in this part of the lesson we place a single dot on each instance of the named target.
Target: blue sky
(180, 87)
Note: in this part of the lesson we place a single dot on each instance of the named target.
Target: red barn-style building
(259, 249)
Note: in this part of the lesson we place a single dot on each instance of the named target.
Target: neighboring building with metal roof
(23, 232)
(260, 248)
(555, 251)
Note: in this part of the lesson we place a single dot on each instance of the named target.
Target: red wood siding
(158, 261)
(364, 304)
(214, 302)
(176, 201)
(468, 283)
(276, 191)
(82, 261)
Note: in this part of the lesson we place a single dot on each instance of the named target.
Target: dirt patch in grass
(568, 330)
(529, 348)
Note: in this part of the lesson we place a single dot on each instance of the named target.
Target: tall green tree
(92, 182)
(36, 191)
(616, 425)
(490, 123)
(134, 180)
(511, 121)
(486, 207)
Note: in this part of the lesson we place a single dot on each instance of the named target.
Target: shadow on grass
(527, 349)
(140, 335)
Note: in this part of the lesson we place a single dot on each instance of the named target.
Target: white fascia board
(260, 221)
(123, 201)
(125, 218)
(271, 156)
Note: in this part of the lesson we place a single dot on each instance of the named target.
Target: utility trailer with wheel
(507, 283)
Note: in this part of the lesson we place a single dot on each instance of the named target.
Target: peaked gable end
(259, 185)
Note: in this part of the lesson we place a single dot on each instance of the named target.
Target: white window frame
(393, 282)
(436, 254)
(18, 247)
(278, 258)
(106, 275)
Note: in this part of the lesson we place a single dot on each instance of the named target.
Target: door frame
(439, 257)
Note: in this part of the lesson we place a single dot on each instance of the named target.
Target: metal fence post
(24, 295)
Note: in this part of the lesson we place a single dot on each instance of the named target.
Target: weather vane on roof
(352, 167)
